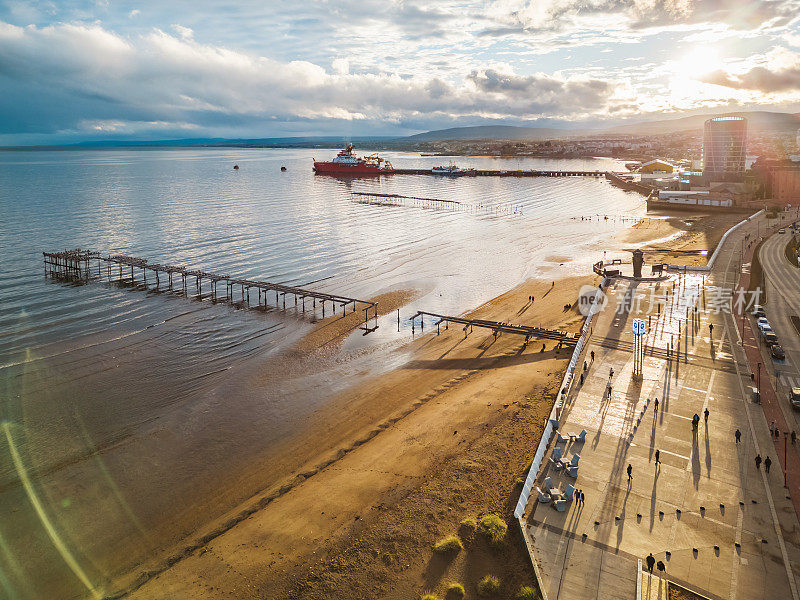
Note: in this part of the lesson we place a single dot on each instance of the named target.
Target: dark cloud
(83, 78)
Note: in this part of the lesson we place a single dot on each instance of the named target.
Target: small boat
(452, 170)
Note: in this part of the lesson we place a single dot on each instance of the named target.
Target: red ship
(347, 163)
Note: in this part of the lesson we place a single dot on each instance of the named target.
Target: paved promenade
(721, 526)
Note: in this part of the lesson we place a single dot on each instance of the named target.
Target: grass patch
(455, 590)
(757, 275)
(448, 545)
(494, 528)
(469, 523)
(489, 586)
(429, 596)
(526, 592)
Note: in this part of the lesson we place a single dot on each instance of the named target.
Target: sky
(166, 69)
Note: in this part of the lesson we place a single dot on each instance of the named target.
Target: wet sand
(391, 434)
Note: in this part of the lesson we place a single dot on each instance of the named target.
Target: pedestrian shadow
(695, 459)
(653, 499)
(708, 453)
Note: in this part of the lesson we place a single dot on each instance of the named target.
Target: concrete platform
(721, 526)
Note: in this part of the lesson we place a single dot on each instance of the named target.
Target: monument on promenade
(638, 261)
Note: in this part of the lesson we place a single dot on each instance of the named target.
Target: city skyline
(144, 70)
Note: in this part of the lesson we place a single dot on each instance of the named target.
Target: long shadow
(453, 347)
(436, 567)
(708, 453)
(695, 459)
(480, 362)
(653, 497)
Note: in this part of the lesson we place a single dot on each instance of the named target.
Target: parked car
(794, 397)
(770, 338)
(758, 311)
(777, 352)
(781, 230)
(763, 323)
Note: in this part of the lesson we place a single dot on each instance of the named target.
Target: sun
(687, 71)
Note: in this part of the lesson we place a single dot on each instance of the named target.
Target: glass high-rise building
(724, 146)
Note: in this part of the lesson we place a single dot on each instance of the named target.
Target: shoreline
(357, 435)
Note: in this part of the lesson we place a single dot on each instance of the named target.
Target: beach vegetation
(448, 545)
(526, 592)
(429, 596)
(494, 528)
(455, 590)
(489, 586)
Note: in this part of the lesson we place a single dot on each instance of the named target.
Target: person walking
(794, 437)
(660, 566)
(658, 459)
(695, 421)
(583, 498)
(758, 461)
(738, 436)
(651, 560)
(777, 433)
(767, 464)
(705, 414)
(656, 404)
(592, 355)
(772, 428)
(630, 470)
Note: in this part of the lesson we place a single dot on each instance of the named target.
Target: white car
(763, 323)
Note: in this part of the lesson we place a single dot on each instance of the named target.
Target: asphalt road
(783, 300)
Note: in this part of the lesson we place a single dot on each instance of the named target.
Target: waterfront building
(780, 180)
(724, 148)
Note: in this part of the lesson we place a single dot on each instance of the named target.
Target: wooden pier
(78, 264)
(503, 173)
(383, 199)
(564, 338)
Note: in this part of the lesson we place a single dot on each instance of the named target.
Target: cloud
(778, 71)
(758, 78)
(85, 78)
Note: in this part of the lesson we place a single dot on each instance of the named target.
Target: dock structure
(564, 338)
(384, 199)
(504, 173)
(78, 264)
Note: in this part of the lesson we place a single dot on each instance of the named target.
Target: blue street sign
(638, 327)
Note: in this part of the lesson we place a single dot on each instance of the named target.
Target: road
(783, 300)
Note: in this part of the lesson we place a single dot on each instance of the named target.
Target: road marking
(686, 387)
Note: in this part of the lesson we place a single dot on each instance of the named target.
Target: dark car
(770, 338)
(777, 352)
(758, 312)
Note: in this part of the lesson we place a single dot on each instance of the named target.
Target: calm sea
(87, 368)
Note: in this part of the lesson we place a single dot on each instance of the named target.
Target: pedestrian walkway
(720, 525)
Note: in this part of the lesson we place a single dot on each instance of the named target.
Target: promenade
(722, 527)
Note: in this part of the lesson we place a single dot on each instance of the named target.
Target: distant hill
(489, 132)
(756, 121)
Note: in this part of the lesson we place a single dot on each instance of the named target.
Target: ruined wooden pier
(79, 264)
(503, 173)
(564, 338)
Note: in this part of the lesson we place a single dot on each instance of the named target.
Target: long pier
(79, 264)
(564, 338)
(504, 173)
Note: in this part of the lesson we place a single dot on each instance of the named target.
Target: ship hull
(350, 169)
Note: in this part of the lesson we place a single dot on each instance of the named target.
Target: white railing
(709, 265)
(552, 421)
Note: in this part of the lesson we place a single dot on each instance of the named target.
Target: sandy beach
(396, 461)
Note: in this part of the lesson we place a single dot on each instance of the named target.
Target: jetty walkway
(80, 264)
(564, 338)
